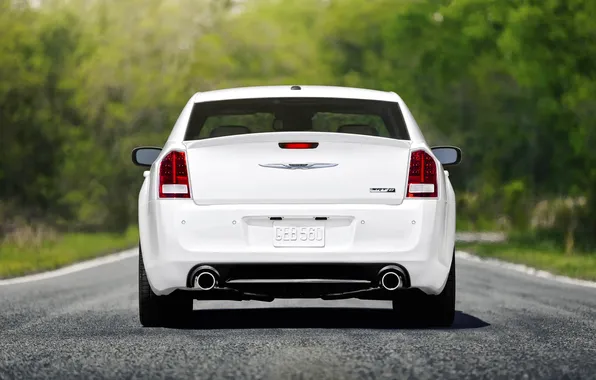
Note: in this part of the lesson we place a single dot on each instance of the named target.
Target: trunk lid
(253, 169)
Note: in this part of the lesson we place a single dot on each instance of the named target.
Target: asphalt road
(85, 325)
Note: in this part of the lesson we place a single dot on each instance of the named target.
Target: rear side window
(232, 117)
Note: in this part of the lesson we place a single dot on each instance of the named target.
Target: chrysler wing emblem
(317, 165)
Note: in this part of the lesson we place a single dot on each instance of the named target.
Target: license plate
(298, 236)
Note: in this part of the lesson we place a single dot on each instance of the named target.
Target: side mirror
(447, 155)
(145, 155)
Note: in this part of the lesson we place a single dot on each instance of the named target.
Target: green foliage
(511, 82)
(536, 254)
(515, 201)
(19, 257)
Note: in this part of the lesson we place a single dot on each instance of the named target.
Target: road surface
(508, 325)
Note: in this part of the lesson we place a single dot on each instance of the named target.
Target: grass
(18, 259)
(582, 266)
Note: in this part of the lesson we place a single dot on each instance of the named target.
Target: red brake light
(422, 178)
(173, 176)
(298, 145)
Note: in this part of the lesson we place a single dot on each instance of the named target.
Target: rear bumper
(177, 235)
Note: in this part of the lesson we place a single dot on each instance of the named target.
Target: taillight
(173, 176)
(422, 178)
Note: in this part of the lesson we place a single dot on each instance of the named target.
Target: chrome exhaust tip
(205, 281)
(391, 281)
(392, 278)
(204, 278)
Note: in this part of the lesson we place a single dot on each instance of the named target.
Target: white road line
(72, 268)
(524, 269)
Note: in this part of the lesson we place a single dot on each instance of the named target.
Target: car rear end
(296, 197)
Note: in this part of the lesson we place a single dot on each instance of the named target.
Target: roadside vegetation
(30, 250)
(512, 83)
(552, 260)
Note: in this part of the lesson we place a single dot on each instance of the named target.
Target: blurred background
(511, 82)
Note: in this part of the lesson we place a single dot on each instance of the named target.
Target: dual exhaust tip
(206, 278)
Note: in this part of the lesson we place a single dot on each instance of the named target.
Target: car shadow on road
(315, 318)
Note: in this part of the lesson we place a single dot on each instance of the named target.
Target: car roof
(295, 91)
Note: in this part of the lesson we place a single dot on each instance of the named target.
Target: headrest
(297, 124)
(229, 130)
(359, 129)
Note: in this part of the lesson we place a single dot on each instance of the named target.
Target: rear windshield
(232, 117)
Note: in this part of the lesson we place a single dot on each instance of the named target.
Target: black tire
(160, 311)
(431, 310)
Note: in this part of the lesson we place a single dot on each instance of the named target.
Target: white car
(296, 192)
